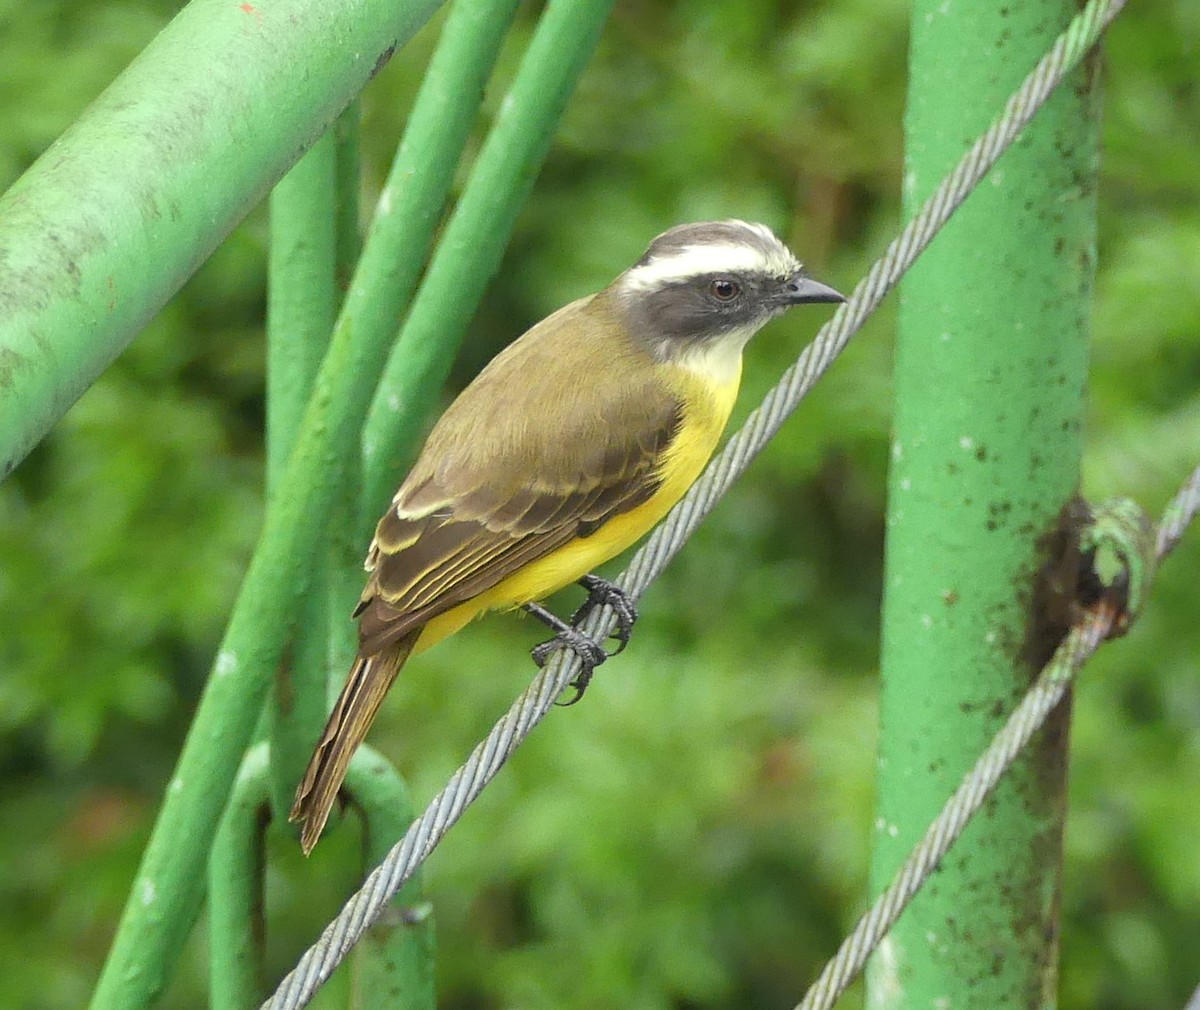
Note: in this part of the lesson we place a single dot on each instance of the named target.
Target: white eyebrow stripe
(696, 260)
(758, 229)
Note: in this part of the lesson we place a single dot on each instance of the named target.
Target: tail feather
(368, 681)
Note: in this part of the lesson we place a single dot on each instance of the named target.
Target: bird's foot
(568, 636)
(590, 652)
(601, 593)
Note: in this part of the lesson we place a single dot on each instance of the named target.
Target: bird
(566, 448)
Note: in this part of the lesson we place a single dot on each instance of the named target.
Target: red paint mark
(249, 8)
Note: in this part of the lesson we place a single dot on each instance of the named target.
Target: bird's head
(705, 289)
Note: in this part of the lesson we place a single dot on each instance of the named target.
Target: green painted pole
(302, 303)
(122, 208)
(475, 240)
(348, 237)
(990, 373)
(393, 966)
(236, 875)
(302, 295)
(409, 210)
(345, 555)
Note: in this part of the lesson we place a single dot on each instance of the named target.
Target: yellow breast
(707, 406)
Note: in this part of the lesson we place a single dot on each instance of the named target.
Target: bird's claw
(601, 593)
(590, 652)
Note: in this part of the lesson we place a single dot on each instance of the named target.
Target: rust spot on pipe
(383, 59)
(1055, 592)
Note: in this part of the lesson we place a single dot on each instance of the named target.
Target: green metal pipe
(302, 297)
(409, 210)
(348, 164)
(302, 303)
(122, 208)
(475, 239)
(345, 575)
(236, 923)
(393, 966)
(314, 241)
(990, 372)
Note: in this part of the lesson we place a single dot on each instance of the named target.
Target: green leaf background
(695, 834)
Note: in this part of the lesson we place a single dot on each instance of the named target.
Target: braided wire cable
(1194, 1002)
(1177, 515)
(319, 961)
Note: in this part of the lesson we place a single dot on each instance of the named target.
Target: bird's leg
(601, 592)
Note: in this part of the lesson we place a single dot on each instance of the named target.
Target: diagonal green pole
(475, 239)
(990, 371)
(237, 881)
(393, 969)
(410, 208)
(122, 208)
(302, 303)
(345, 553)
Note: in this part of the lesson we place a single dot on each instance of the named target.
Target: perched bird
(569, 446)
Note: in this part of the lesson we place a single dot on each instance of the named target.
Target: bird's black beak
(800, 289)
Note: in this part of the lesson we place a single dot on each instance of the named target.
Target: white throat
(719, 360)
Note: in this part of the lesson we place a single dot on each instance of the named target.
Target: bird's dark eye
(724, 290)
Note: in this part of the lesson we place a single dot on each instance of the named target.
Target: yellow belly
(704, 420)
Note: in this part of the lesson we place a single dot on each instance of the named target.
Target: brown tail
(369, 680)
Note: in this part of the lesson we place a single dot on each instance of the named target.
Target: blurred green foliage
(695, 834)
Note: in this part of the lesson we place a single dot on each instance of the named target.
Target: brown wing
(532, 455)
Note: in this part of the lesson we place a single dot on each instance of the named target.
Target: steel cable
(1177, 515)
(319, 961)
(1194, 1002)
